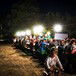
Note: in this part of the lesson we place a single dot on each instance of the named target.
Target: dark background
(21, 14)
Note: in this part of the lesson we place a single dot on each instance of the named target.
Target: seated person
(53, 62)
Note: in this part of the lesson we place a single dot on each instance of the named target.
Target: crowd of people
(64, 50)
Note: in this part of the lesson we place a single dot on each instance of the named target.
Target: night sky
(61, 6)
(45, 6)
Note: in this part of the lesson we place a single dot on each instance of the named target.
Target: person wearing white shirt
(52, 62)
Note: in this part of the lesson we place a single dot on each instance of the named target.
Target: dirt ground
(13, 62)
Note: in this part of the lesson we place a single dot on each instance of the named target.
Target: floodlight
(57, 28)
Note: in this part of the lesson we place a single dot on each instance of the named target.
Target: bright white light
(40, 34)
(21, 33)
(38, 29)
(57, 28)
(18, 34)
(28, 32)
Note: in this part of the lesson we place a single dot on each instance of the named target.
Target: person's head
(62, 42)
(52, 52)
(44, 40)
(72, 42)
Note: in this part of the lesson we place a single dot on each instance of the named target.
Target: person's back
(68, 49)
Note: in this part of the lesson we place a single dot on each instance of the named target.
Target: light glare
(21, 33)
(48, 33)
(38, 29)
(28, 32)
(57, 28)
